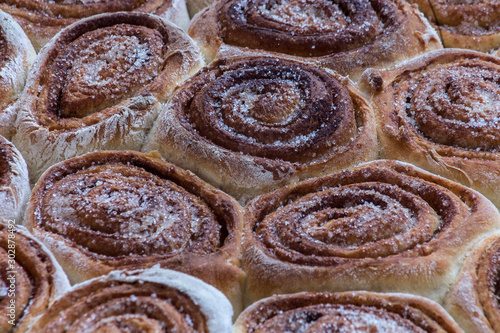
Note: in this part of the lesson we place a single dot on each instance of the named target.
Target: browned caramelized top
(305, 27)
(271, 108)
(127, 206)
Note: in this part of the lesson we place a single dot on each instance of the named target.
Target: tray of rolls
(250, 166)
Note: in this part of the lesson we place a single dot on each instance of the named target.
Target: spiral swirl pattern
(102, 62)
(355, 221)
(30, 278)
(153, 300)
(457, 105)
(273, 109)
(382, 221)
(304, 27)
(347, 36)
(441, 112)
(43, 19)
(98, 85)
(345, 312)
(126, 209)
(280, 115)
(372, 212)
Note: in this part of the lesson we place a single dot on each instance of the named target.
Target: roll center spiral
(104, 67)
(138, 211)
(274, 109)
(459, 106)
(302, 27)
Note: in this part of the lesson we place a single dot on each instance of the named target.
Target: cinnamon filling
(271, 108)
(304, 27)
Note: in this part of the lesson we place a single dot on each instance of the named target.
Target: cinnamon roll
(98, 86)
(122, 209)
(347, 36)
(381, 226)
(345, 312)
(14, 182)
(30, 278)
(473, 300)
(248, 125)
(43, 19)
(16, 56)
(441, 112)
(152, 300)
(464, 24)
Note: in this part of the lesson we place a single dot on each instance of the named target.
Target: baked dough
(382, 226)
(346, 36)
(152, 300)
(441, 112)
(42, 20)
(473, 300)
(14, 183)
(98, 85)
(345, 312)
(471, 25)
(127, 210)
(30, 276)
(248, 125)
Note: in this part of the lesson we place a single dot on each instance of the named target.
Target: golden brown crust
(152, 300)
(473, 300)
(347, 37)
(247, 125)
(464, 24)
(381, 226)
(123, 209)
(347, 312)
(41, 20)
(440, 112)
(31, 278)
(99, 86)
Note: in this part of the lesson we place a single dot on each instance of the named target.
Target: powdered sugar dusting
(135, 212)
(355, 220)
(213, 304)
(260, 103)
(306, 15)
(130, 50)
(465, 103)
(344, 312)
(106, 94)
